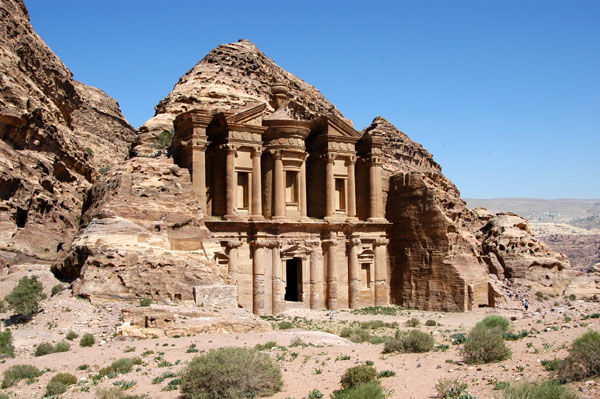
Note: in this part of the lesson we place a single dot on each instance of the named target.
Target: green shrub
(458, 338)
(2, 306)
(60, 383)
(494, 321)
(25, 296)
(57, 289)
(71, 335)
(538, 390)
(87, 340)
(414, 341)
(6, 346)
(89, 151)
(452, 389)
(14, 374)
(386, 373)
(285, 325)
(551, 365)
(485, 345)
(412, 322)
(431, 323)
(43, 349)
(145, 302)
(514, 337)
(266, 346)
(164, 139)
(356, 335)
(230, 373)
(369, 390)
(315, 394)
(372, 324)
(583, 360)
(357, 375)
(116, 393)
(46, 348)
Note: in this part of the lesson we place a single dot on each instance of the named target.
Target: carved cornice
(381, 241)
(233, 244)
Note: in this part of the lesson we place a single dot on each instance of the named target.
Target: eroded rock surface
(56, 135)
(143, 236)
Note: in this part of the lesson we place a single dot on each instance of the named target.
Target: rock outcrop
(232, 76)
(143, 237)
(56, 136)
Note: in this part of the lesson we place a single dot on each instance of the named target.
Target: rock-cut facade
(296, 206)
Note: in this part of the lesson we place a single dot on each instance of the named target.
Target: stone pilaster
(315, 280)
(278, 300)
(353, 273)
(259, 261)
(332, 297)
(302, 183)
(199, 171)
(230, 182)
(329, 186)
(350, 163)
(381, 291)
(256, 211)
(278, 186)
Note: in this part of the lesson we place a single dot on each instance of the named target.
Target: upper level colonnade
(248, 167)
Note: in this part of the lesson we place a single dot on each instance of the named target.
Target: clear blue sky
(505, 94)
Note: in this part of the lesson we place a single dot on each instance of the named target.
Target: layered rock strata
(56, 136)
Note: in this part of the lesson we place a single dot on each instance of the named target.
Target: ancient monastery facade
(297, 206)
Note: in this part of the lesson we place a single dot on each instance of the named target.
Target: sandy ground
(318, 366)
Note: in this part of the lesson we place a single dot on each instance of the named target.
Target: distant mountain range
(570, 226)
(584, 213)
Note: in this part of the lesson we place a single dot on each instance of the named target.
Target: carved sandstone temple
(297, 206)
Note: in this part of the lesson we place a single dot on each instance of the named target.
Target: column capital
(350, 160)
(354, 242)
(266, 244)
(256, 152)
(376, 160)
(230, 148)
(381, 241)
(312, 243)
(233, 244)
(329, 157)
(277, 154)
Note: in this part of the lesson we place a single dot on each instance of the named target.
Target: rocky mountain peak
(402, 154)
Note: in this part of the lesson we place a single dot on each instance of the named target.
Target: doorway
(293, 274)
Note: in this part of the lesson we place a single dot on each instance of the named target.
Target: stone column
(230, 182)
(331, 274)
(329, 186)
(374, 189)
(302, 184)
(278, 187)
(278, 299)
(351, 188)
(258, 279)
(353, 274)
(315, 280)
(256, 212)
(199, 172)
(232, 264)
(381, 283)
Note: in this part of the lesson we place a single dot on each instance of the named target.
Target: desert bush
(412, 322)
(356, 335)
(230, 373)
(538, 390)
(386, 373)
(71, 335)
(46, 348)
(414, 341)
(116, 393)
(358, 375)
(285, 325)
(551, 365)
(369, 390)
(87, 340)
(297, 341)
(452, 389)
(266, 346)
(458, 338)
(60, 383)
(485, 345)
(14, 374)
(57, 289)
(145, 302)
(164, 139)
(583, 360)
(2, 306)
(372, 324)
(494, 321)
(431, 323)
(6, 346)
(315, 394)
(25, 296)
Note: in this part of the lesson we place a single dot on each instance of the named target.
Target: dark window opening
(21, 217)
(293, 287)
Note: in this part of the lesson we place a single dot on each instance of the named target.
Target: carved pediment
(251, 115)
(330, 128)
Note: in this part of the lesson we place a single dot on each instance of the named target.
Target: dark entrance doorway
(293, 273)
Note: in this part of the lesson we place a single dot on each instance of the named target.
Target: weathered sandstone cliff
(56, 136)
